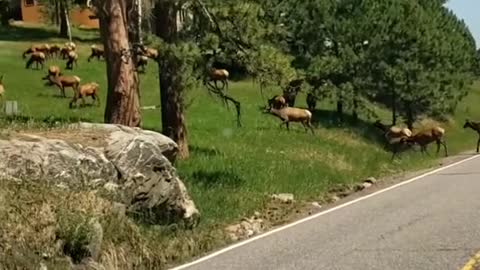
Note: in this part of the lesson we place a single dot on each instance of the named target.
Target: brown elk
(89, 89)
(476, 127)
(65, 81)
(72, 58)
(98, 52)
(38, 58)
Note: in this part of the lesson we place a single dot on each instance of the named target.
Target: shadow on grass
(217, 178)
(6, 120)
(197, 150)
(22, 33)
(330, 120)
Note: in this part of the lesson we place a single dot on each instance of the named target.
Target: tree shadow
(217, 178)
(330, 120)
(198, 150)
(23, 33)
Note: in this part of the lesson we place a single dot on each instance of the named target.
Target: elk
(52, 71)
(65, 81)
(89, 89)
(311, 101)
(38, 58)
(291, 114)
(218, 75)
(72, 58)
(392, 134)
(150, 53)
(96, 52)
(424, 138)
(44, 48)
(476, 127)
(291, 91)
(277, 102)
(142, 62)
(54, 50)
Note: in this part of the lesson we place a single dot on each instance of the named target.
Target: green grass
(231, 169)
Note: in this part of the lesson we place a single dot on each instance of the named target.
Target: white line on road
(239, 244)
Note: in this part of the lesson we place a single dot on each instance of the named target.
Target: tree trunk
(340, 107)
(394, 106)
(63, 20)
(57, 13)
(410, 118)
(123, 104)
(171, 86)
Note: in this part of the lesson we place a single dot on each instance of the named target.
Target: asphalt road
(432, 223)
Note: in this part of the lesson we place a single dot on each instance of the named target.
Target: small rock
(232, 228)
(316, 205)
(257, 214)
(97, 238)
(335, 198)
(119, 209)
(246, 225)
(110, 186)
(283, 197)
(367, 185)
(42, 266)
(371, 180)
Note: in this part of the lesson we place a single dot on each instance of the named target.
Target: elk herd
(40, 53)
(280, 106)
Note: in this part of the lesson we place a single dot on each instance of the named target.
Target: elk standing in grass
(311, 101)
(54, 50)
(142, 62)
(38, 58)
(72, 58)
(86, 90)
(476, 127)
(215, 75)
(277, 102)
(44, 48)
(291, 114)
(52, 71)
(98, 52)
(65, 81)
(424, 138)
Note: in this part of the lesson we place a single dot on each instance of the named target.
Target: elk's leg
(445, 147)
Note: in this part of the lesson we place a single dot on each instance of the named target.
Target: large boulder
(135, 163)
(32, 157)
(151, 184)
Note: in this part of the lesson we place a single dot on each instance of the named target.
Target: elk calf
(89, 89)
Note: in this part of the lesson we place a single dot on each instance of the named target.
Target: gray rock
(283, 197)
(316, 205)
(53, 160)
(151, 184)
(134, 163)
(96, 239)
(366, 185)
(371, 180)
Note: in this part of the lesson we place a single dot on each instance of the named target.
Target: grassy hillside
(231, 170)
